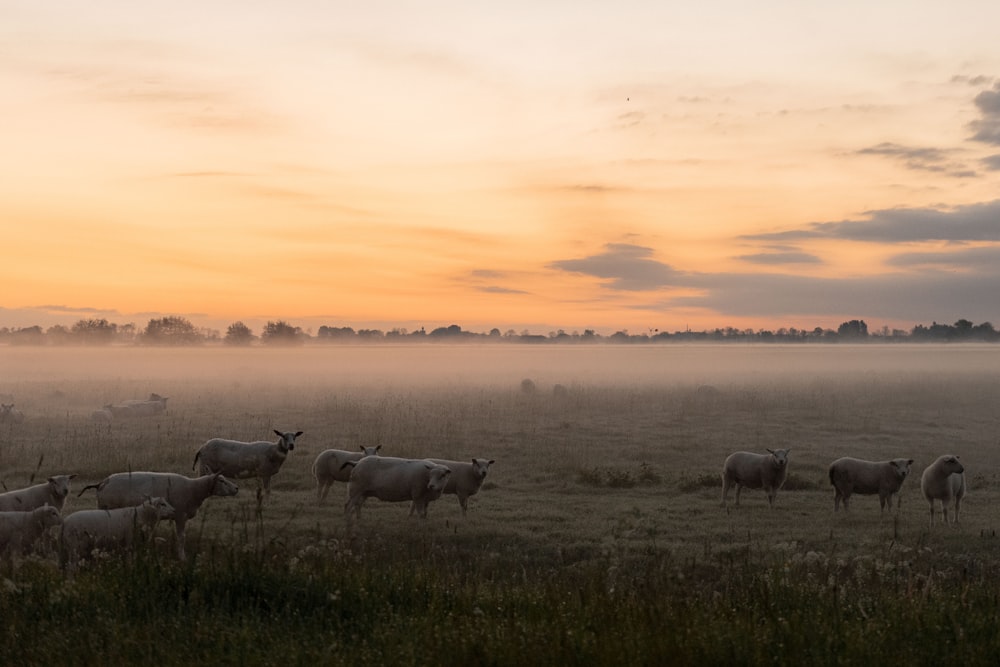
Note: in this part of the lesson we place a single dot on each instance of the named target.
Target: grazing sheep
(755, 471)
(466, 478)
(51, 492)
(86, 530)
(395, 480)
(329, 467)
(232, 458)
(154, 405)
(944, 480)
(9, 414)
(20, 530)
(849, 475)
(104, 415)
(185, 495)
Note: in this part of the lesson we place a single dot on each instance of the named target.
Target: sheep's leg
(179, 525)
(464, 502)
(321, 492)
(725, 490)
(739, 487)
(958, 504)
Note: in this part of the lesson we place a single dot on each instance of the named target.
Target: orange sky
(535, 166)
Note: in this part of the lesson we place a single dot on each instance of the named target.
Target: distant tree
(853, 329)
(172, 330)
(58, 335)
(335, 333)
(239, 334)
(282, 333)
(94, 332)
(449, 331)
(28, 336)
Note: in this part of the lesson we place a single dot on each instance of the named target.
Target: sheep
(755, 471)
(395, 480)
(466, 478)
(50, 492)
(20, 530)
(232, 458)
(944, 480)
(849, 475)
(154, 405)
(329, 467)
(9, 414)
(85, 530)
(185, 494)
(104, 415)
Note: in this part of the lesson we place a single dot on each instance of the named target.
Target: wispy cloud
(919, 158)
(627, 267)
(987, 127)
(974, 222)
(781, 257)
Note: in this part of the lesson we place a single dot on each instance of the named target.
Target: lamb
(849, 475)
(466, 478)
(395, 480)
(329, 467)
(20, 530)
(944, 480)
(241, 460)
(9, 414)
(85, 530)
(185, 495)
(51, 492)
(755, 471)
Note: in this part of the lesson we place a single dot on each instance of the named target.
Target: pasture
(598, 537)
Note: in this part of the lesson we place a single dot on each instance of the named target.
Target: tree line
(174, 330)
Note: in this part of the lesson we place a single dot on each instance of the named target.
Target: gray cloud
(992, 162)
(979, 259)
(627, 266)
(781, 257)
(493, 289)
(975, 222)
(920, 158)
(987, 128)
(912, 296)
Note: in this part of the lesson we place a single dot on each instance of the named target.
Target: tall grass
(597, 539)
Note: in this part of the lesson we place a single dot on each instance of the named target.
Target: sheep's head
(951, 464)
(779, 457)
(286, 440)
(164, 510)
(901, 467)
(480, 467)
(438, 478)
(60, 485)
(224, 487)
(48, 515)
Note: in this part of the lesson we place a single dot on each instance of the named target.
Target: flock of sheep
(942, 481)
(130, 504)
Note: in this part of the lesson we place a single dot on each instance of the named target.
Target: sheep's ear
(279, 433)
(73, 476)
(492, 462)
(910, 462)
(769, 451)
(378, 448)
(298, 433)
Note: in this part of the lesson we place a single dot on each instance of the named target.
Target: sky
(539, 166)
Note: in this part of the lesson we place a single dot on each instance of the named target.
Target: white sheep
(20, 530)
(755, 471)
(849, 475)
(240, 460)
(9, 414)
(104, 415)
(466, 478)
(395, 480)
(185, 494)
(944, 480)
(50, 492)
(86, 530)
(153, 405)
(330, 466)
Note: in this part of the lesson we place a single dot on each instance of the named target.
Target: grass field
(598, 537)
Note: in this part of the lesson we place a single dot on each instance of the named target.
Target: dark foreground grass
(329, 605)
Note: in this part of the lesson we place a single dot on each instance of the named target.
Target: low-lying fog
(497, 364)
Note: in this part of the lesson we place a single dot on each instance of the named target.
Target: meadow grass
(598, 537)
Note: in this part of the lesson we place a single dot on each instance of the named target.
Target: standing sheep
(86, 530)
(466, 478)
(20, 530)
(240, 460)
(51, 492)
(9, 414)
(849, 475)
(755, 471)
(395, 480)
(944, 480)
(330, 466)
(185, 495)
